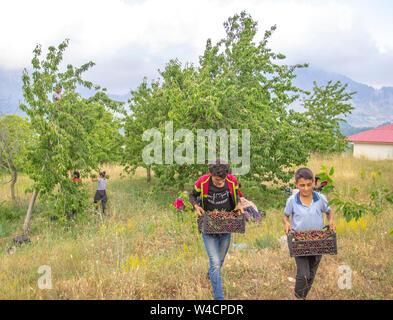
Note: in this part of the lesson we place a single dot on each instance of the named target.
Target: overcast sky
(131, 39)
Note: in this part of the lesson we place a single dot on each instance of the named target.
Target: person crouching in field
(217, 190)
(306, 208)
(101, 191)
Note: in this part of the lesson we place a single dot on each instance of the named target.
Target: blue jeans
(216, 248)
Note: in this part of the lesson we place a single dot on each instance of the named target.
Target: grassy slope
(142, 251)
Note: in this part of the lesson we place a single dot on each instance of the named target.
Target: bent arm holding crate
(330, 217)
(194, 202)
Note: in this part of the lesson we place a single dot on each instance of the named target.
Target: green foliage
(147, 111)
(326, 108)
(68, 131)
(270, 198)
(16, 135)
(238, 84)
(353, 209)
(267, 241)
(350, 209)
(65, 204)
(109, 139)
(11, 214)
(187, 216)
(10, 211)
(326, 175)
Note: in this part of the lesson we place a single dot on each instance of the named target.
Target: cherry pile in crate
(312, 235)
(314, 242)
(222, 222)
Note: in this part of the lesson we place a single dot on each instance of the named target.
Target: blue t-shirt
(307, 218)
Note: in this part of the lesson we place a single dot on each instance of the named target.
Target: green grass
(267, 241)
(11, 217)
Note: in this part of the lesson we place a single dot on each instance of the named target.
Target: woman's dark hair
(77, 174)
(219, 168)
(102, 173)
(304, 173)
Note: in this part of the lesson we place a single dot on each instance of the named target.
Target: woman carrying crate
(217, 190)
(306, 208)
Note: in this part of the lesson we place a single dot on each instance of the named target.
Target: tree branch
(381, 197)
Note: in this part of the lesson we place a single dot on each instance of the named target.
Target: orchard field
(142, 250)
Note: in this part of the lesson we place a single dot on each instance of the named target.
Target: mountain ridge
(372, 106)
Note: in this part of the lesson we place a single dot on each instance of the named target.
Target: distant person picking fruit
(57, 95)
(101, 191)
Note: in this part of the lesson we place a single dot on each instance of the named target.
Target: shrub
(266, 241)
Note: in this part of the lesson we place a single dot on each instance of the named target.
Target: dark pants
(101, 196)
(305, 275)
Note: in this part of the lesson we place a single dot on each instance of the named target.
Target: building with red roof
(375, 144)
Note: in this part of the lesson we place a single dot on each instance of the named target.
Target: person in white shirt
(101, 191)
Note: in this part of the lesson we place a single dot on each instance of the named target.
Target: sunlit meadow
(143, 250)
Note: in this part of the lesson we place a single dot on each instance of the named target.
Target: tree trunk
(26, 226)
(148, 169)
(14, 175)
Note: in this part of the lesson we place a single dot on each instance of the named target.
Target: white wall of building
(373, 151)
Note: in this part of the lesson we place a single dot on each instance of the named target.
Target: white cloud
(97, 29)
(334, 35)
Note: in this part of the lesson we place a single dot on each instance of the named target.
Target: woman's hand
(239, 207)
(199, 210)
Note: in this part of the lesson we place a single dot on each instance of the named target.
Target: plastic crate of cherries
(311, 243)
(222, 222)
